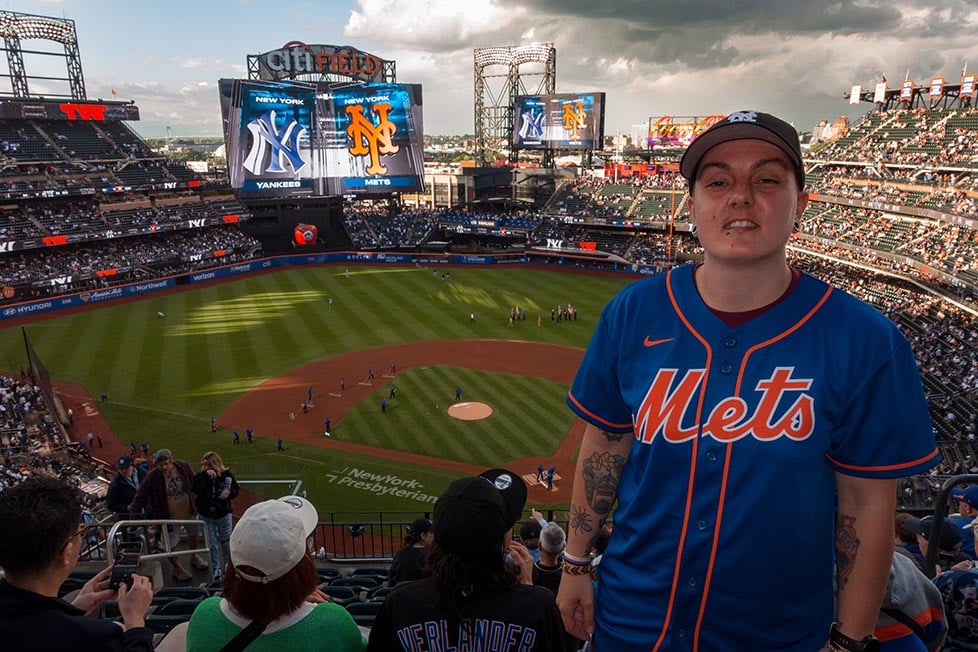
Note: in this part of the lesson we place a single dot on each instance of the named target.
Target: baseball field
(248, 351)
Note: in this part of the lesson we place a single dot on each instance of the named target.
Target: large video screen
(309, 139)
(561, 121)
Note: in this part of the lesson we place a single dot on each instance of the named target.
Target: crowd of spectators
(944, 339)
(32, 444)
(101, 264)
(376, 228)
(608, 198)
(910, 137)
(37, 218)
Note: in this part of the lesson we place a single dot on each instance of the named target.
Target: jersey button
(681, 633)
(730, 342)
(711, 456)
(691, 581)
(726, 368)
(701, 525)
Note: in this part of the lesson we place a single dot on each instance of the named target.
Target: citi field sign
(297, 58)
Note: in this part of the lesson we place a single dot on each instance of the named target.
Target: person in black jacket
(214, 487)
(40, 536)
(479, 586)
(123, 487)
(409, 561)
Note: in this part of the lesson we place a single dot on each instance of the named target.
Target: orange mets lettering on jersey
(663, 410)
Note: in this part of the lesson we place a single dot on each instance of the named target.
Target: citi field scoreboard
(293, 138)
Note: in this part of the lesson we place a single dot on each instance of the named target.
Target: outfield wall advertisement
(288, 139)
(132, 289)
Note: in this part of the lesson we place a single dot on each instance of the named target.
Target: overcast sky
(794, 58)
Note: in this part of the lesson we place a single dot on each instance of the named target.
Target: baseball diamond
(248, 350)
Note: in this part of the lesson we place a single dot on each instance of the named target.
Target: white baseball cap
(306, 511)
(270, 537)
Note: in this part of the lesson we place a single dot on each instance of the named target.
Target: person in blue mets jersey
(730, 406)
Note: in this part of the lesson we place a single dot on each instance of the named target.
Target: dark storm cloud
(703, 48)
(738, 16)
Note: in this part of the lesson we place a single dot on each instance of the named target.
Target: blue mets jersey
(724, 531)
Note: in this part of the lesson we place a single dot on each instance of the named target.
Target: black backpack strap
(245, 637)
(898, 615)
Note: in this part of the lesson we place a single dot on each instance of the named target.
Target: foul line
(139, 406)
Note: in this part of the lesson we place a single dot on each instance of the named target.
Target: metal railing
(372, 536)
(940, 505)
(156, 536)
(342, 536)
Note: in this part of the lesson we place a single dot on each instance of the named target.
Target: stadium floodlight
(494, 105)
(517, 54)
(16, 27)
(23, 26)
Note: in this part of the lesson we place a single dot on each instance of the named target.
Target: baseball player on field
(751, 421)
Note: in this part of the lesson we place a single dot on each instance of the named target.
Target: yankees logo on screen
(276, 147)
(532, 128)
(371, 137)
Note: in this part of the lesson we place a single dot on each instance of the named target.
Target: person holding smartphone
(40, 537)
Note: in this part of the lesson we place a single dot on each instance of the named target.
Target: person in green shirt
(270, 591)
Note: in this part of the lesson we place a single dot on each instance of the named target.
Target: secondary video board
(561, 121)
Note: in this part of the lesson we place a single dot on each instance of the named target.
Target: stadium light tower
(15, 27)
(495, 92)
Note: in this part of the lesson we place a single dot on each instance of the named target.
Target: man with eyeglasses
(40, 537)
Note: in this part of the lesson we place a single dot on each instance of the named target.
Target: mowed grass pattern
(166, 377)
(529, 416)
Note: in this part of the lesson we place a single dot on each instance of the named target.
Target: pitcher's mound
(469, 411)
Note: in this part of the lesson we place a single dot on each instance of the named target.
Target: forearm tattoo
(846, 547)
(613, 436)
(580, 520)
(602, 470)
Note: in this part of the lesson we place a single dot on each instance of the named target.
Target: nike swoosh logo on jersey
(649, 342)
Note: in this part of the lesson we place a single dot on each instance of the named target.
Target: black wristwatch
(839, 641)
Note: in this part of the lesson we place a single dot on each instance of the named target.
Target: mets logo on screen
(371, 136)
(575, 119)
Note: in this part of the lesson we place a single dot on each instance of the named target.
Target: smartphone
(126, 561)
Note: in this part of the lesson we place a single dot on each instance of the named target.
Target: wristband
(575, 560)
(839, 641)
(574, 569)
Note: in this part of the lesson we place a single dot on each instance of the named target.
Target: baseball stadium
(338, 322)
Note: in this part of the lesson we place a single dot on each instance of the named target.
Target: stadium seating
(893, 196)
(364, 613)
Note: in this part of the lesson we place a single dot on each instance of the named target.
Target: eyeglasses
(80, 533)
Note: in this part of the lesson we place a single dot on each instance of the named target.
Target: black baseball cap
(950, 536)
(124, 462)
(474, 513)
(744, 125)
(419, 526)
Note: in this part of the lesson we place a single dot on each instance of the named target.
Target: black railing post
(940, 504)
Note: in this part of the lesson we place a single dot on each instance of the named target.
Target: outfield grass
(166, 377)
(529, 416)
